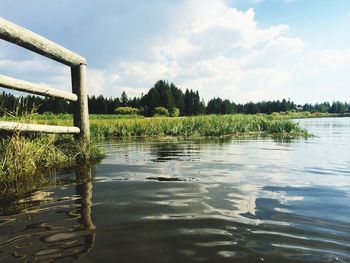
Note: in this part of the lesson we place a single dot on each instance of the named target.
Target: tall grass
(302, 115)
(212, 125)
(112, 126)
(22, 155)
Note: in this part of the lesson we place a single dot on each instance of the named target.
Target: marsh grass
(24, 155)
(114, 126)
(206, 126)
(302, 115)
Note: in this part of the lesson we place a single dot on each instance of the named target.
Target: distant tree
(283, 106)
(187, 103)
(307, 107)
(214, 106)
(112, 104)
(202, 107)
(166, 99)
(150, 101)
(338, 107)
(162, 94)
(124, 99)
(178, 98)
(192, 103)
(101, 105)
(251, 108)
(196, 103)
(135, 102)
(227, 107)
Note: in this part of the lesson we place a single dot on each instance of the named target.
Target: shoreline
(24, 154)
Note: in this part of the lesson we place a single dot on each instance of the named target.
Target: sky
(242, 50)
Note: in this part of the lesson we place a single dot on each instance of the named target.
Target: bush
(161, 111)
(175, 112)
(126, 111)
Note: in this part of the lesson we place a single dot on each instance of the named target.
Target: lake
(218, 200)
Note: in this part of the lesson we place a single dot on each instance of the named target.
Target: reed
(212, 125)
(113, 126)
(25, 155)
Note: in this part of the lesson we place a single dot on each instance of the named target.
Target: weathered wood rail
(27, 39)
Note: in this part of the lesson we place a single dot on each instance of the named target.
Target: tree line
(165, 95)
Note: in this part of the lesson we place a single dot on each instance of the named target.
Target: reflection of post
(84, 189)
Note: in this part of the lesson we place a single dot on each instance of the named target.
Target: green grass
(302, 115)
(24, 155)
(212, 125)
(114, 126)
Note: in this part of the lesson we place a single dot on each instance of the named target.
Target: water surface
(224, 200)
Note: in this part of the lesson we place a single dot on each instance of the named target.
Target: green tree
(178, 98)
(124, 99)
(150, 101)
(166, 99)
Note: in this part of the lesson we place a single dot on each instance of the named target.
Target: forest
(162, 94)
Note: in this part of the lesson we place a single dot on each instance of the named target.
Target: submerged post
(80, 107)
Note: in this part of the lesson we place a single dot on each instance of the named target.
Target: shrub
(161, 111)
(126, 111)
(175, 112)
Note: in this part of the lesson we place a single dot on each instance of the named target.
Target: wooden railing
(27, 39)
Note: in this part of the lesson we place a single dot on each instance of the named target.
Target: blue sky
(249, 50)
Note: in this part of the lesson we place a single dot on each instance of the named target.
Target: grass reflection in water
(45, 227)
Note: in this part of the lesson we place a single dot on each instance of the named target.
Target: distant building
(299, 107)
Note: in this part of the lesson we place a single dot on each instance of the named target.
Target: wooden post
(80, 108)
(84, 190)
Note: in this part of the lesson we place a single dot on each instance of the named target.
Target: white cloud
(214, 28)
(256, 1)
(204, 45)
(322, 76)
(283, 1)
(218, 50)
(38, 70)
(329, 58)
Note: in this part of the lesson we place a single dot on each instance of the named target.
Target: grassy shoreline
(22, 155)
(25, 154)
(198, 126)
(114, 126)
